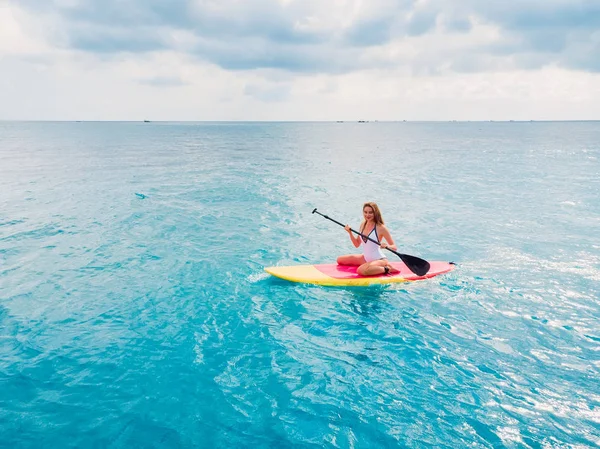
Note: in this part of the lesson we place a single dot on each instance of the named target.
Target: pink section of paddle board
(348, 272)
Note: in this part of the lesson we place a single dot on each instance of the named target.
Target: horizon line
(362, 121)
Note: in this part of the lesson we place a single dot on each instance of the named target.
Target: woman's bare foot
(391, 269)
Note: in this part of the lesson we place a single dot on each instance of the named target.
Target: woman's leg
(376, 267)
(351, 259)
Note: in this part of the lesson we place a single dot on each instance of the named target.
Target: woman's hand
(347, 228)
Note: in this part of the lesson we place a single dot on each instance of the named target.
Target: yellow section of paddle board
(308, 274)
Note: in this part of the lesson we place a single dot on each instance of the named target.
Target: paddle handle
(356, 232)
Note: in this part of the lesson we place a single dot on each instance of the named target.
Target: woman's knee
(350, 259)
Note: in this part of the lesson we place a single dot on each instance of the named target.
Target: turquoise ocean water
(135, 312)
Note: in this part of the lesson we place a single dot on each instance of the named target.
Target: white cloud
(17, 35)
(460, 66)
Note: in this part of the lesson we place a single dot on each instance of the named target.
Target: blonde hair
(378, 218)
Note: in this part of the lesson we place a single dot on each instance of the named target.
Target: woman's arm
(389, 241)
(355, 240)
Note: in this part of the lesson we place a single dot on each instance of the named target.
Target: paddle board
(339, 275)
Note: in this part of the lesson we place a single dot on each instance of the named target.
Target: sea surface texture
(135, 311)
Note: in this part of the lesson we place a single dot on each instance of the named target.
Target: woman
(372, 261)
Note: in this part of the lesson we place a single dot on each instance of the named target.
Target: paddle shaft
(358, 233)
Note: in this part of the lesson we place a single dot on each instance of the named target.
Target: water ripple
(134, 309)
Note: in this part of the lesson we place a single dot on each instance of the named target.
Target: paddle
(418, 266)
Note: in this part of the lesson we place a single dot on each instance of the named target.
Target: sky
(300, 60)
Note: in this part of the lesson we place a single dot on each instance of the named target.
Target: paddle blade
(418, 266)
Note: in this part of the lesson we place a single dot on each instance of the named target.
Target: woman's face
(368, 213)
